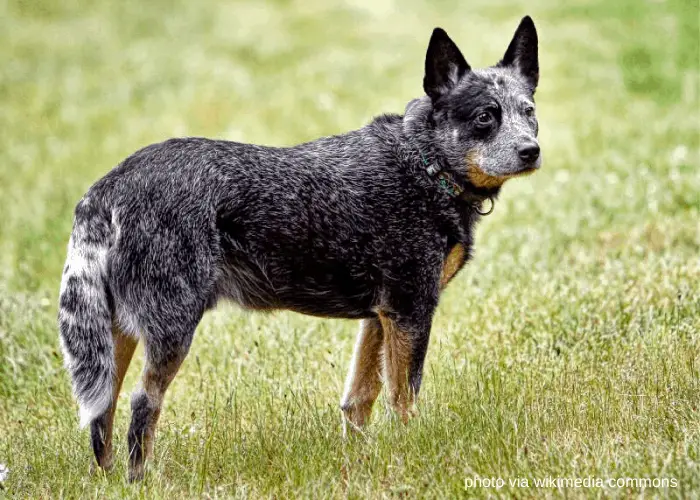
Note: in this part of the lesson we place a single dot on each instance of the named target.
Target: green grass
(570, 347)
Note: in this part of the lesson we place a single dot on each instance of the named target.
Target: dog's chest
(454, 261)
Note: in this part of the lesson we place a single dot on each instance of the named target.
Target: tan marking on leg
(453, 263)
(397, 362)
(155, 383)
(363, 383)
(156, 380)
(124, 347)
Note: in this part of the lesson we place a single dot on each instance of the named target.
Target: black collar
(448, 183)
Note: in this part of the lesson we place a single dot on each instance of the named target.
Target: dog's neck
(419, 130)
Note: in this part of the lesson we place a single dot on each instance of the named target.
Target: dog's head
(485, 118)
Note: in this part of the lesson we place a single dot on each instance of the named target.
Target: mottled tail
(85, 312)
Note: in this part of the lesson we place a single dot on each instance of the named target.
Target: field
(569, 347)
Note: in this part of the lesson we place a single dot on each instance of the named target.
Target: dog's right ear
(444, 65)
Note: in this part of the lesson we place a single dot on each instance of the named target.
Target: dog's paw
(355, 417)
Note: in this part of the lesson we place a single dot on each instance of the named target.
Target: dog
(370, 225)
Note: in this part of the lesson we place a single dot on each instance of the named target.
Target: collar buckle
(448, 184)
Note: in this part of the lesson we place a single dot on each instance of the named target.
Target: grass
(570, 346)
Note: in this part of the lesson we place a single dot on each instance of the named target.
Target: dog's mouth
(482, 179)
(525, 171)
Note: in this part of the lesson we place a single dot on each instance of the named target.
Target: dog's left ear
(522, 52)
(444, 65)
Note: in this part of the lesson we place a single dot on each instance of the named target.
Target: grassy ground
(570, 347)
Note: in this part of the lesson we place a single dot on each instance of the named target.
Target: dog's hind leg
(363, 382)
(101, 427)
(166, 349)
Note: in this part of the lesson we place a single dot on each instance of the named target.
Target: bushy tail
(85, 313)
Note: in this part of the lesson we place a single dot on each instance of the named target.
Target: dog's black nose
(529, 151)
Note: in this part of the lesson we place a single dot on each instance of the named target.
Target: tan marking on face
(453, 263)
(397, 361)
(363, 382)
(481, 179)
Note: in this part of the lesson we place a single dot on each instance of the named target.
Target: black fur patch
(97, 438)
(141, 414)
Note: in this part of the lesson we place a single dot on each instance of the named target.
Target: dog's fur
(351, 226)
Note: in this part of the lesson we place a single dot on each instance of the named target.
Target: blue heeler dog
(371, 225)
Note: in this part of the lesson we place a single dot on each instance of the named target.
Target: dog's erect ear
(522, 52)
(444, 65)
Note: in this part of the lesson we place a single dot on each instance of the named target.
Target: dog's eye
(529, 111)
(484, 118)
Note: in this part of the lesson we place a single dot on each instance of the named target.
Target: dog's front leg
(405, 346)
(363, 382)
